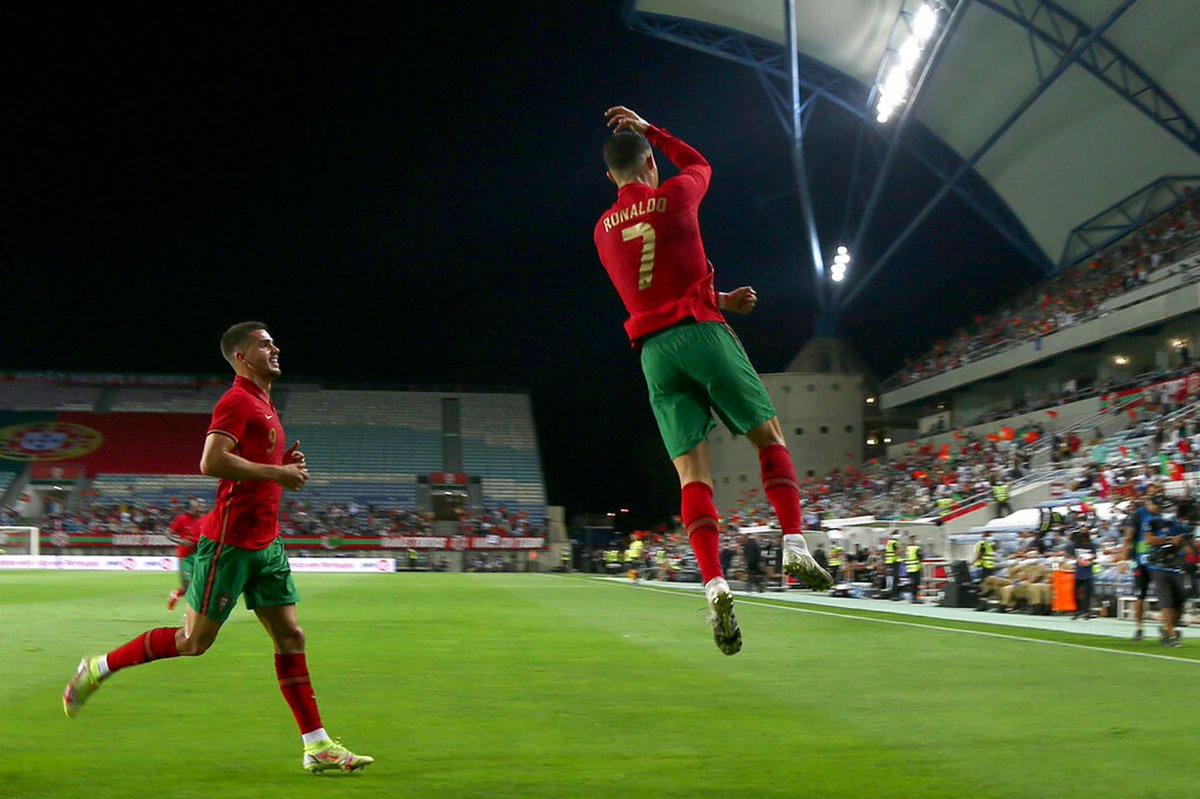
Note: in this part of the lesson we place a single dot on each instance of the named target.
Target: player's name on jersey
(639, 208)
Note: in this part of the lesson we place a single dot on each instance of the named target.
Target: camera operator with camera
(1170, 543)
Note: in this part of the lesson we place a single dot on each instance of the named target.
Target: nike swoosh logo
(269, 416)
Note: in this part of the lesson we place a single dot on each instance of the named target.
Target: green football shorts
(694, 370)
(187, 565)
(262, 576)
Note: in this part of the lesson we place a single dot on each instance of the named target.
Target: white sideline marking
(897, 622)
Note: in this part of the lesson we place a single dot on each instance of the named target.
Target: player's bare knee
(195, 645)
(290, 641)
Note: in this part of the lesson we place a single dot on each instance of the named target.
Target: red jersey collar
(249, 385)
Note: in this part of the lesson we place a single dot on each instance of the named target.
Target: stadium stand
(1156, 258)
(367, 449)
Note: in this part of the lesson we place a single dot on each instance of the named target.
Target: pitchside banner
(170, 564)
(329, 542)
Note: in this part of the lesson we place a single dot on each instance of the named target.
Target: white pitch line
(898, 623)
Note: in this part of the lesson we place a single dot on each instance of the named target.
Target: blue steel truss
(1127, 214)
(1078, 48)
(1059, 30)
(819, 81)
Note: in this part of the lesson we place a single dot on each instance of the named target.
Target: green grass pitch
(497, 685)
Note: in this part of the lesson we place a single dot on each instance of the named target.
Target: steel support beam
(799, 166)
(1080, 47)
(885, 170)
(1126, 215)
(819, 81)
(1060, 30)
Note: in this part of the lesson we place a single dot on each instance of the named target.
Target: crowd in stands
(1076, 294)
(297, 517)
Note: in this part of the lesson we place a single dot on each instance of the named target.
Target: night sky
(407, 197)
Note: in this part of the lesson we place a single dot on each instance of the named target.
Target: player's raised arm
(621, 118)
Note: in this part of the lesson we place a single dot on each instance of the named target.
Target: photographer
(1083, 551)
(1142, 516)
(1170, 543)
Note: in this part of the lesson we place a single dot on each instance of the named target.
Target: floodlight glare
(841, 260)
(924, 22)
(896, 82)
(838, 277)
(843, 250)
(910, 51)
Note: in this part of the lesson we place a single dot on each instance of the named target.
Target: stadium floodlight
(899, 66)
(924, 23)
(841, 259)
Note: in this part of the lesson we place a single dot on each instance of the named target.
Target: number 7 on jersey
(645, 232)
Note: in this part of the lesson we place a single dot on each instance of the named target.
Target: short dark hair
(624, 151)
(237, 338)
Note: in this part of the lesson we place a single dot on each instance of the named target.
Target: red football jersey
(246, 512)
(188, 528)
(649, 242)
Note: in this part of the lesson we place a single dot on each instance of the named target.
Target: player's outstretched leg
(700, 519)
(174, 597)
(328, 754)
(86, 682)
(725, 628)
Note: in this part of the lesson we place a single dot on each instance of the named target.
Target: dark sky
(407, 197)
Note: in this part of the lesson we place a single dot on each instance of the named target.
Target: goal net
(19, 541)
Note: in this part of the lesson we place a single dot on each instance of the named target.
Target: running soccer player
(186, 527)
(240, 551)
(649, 243)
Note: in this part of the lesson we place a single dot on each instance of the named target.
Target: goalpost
(19, 541)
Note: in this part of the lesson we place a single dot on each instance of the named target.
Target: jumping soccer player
(186, 527)
(240, 551)
(649, 243)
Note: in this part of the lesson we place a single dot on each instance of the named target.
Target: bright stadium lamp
(841, 260)
(924, 23)
(901, 60)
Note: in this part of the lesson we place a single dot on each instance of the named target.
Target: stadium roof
(1065, 124)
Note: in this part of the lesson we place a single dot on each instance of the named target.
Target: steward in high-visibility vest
(891, 564)
(944, 505)
(1000, 494)
(912, 561)
(985, 556)
(891, 552)
(912, 558)
(835, 561)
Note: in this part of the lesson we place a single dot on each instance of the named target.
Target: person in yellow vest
(1000, 494)
(912, 565)
(836, 559)
(891, 564)
(985, 556)
(944, 504)
(633, 557)
(612, 560)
